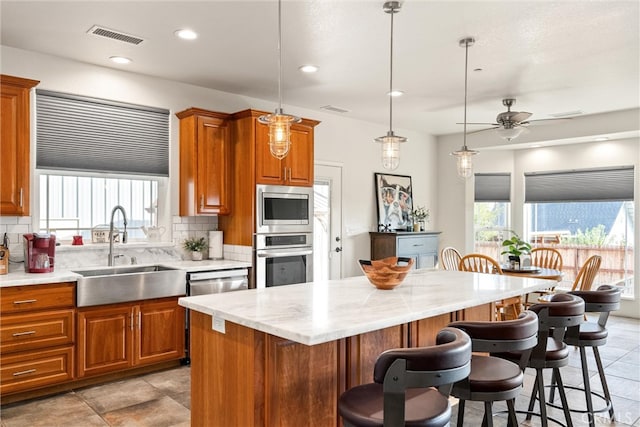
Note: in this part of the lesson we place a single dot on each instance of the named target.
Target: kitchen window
(74, 205)
(583, 213)
(491, 212)
(93, 154)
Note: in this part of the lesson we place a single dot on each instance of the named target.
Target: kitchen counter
(20, 278)
(318, 312)
(282, 355)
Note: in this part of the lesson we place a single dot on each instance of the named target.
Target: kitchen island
(282, 355)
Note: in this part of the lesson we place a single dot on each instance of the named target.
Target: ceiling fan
(510, 124)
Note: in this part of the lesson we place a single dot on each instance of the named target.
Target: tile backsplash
(68, 256)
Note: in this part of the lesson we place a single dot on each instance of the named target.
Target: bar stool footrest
(607, 402)
(561, 424)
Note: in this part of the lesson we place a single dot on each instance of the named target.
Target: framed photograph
(394, 201)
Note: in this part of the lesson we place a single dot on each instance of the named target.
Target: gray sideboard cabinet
(422, 246)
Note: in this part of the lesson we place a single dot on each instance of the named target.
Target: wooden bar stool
(403, 391)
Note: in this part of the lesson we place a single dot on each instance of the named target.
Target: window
(72, 204)
(93, 154)
(491, 213)
(583, 213)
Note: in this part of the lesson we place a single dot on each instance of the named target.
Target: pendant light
(463, 155)
(391, 142)
(278, 122)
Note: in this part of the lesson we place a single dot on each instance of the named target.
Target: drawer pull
(417, 246)
(26, 301)
(28, 371)
(20, 334)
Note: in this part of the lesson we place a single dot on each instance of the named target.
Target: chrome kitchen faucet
(124, 233)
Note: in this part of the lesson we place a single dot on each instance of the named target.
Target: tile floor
(162, 399)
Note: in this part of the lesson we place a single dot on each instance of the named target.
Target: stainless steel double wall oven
(284, 237)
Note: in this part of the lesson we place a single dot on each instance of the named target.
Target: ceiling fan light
(511, 133)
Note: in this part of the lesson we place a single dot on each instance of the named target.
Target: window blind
(492, 187)
(90, 134)
(587, 185)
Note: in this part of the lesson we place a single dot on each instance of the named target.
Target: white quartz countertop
(20, 278)
(323, 311)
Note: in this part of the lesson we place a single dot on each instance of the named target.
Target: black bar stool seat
(411, 385)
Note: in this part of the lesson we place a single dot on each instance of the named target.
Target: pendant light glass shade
(278, 122)
(391, 142)
(464, 162)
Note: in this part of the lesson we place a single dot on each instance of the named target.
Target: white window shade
(587, 185)
(492, 187)
(89, 134)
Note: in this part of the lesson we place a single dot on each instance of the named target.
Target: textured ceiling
(554, 57)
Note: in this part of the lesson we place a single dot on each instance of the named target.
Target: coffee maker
(39, 252)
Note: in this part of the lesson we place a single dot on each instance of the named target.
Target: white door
(327, 222)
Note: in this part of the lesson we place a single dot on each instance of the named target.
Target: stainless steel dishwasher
(213, 282)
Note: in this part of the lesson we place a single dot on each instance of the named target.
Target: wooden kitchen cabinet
(37, 336)
(120, 336)
(296, 168)
(421, 246)
(252, 164)
(204, 163)
(14, 145)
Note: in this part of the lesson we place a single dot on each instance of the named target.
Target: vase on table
(416, 226)
(196, 256)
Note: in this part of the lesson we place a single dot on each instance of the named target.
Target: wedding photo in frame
(394, 201)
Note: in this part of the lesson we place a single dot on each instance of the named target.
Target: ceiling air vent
(115, 35)
(334, 109)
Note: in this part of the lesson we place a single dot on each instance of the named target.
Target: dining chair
(506, 309)
(450, 258)
(411, 385)
(587, 274)
(479, 263)
(545, 258)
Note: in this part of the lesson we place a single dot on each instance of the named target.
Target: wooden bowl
(386, 273)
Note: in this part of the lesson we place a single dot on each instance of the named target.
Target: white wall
(337, 139)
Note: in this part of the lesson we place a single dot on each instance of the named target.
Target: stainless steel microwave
(284, 209)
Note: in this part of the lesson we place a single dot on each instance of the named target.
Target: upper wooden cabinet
(204, 163)
(297, 167)
(14, 145)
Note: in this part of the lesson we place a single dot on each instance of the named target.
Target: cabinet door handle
(131, 320)
(21, 196)
(139, 320)
(202, 202)
(28, 371)
(20, 334)
(285, 174)
(25, 301)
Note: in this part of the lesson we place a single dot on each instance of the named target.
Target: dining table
(533, 272)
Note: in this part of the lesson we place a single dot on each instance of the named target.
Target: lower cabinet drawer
(37, 330)
(29, 370)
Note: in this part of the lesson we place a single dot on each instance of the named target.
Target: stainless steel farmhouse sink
(108, 285)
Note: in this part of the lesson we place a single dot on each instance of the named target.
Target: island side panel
(225, 375)
(364, 349)
(248, 378)
(301, 383)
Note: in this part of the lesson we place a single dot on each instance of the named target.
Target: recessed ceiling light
(186, 34)
(308, 68)
(120, 59)
(395, 93)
